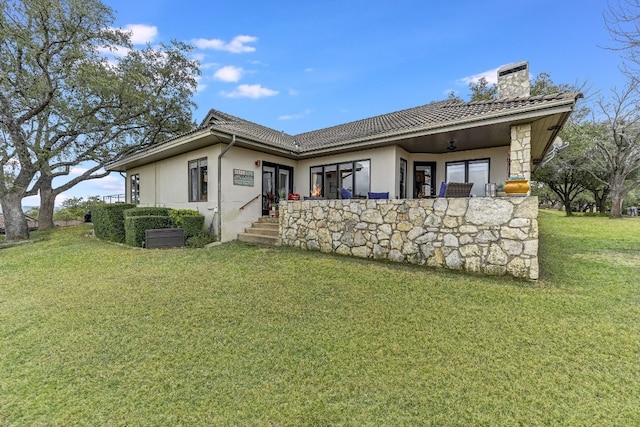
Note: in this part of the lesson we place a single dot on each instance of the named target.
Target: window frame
(201, 186)
(403, 179)
(321, 170)
(466, 163)
(134, 188)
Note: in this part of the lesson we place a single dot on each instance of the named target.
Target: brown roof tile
(433, 115)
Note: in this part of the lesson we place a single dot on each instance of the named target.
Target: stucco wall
(493, 236)
(165, 182)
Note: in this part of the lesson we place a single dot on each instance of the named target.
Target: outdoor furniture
(373, 195)
(443, 189)
(164, 238)
(346, 194)
(457, 189)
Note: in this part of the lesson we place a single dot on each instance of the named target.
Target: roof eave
(160, 151)
(521, 116)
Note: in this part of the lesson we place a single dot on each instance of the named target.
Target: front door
(277, 183)
(424, 179)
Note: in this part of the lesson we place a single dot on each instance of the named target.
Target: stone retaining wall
(494, 236)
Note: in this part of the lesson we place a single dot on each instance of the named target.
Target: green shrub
(147, 211)
(191, 221)
(135, 226)
(199, 240)
(193, 225)
(177, 214)
(108, 221)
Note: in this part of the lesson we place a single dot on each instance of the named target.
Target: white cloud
(114, 51)
(77, 170)
(308, 70)
(207, 65)
(250, 91)
(293, 92)
(490, 75)
(237, 45)
(201, 86)
(229, 74)
(111, 183)
(295, 116)
(141, 33)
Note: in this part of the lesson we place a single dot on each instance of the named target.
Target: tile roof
(425, 117)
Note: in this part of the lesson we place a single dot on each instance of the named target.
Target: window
(475, 171)
(424, 179)
(198, 179)
(403, 179)
(354, 176)
(134, 189)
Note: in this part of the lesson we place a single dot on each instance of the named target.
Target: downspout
(219, 218)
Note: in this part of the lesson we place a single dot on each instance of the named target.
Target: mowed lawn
(94, 333)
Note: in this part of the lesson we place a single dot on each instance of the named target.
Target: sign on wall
(243, 177)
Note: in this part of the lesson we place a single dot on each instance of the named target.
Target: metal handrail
(246, 204)
(117, 197)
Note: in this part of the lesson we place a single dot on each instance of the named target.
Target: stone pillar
(520, 153)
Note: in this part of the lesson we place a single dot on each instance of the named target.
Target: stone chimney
(513, 80)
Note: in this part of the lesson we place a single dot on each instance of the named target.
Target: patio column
(520, 153)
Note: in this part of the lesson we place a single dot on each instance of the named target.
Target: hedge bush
(108, 221)
(147, 211)
(193, 225)
(135, 226)
(177, 214)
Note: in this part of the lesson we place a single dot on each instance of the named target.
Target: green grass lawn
(93, 333)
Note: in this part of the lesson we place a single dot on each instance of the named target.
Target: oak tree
(74, 91)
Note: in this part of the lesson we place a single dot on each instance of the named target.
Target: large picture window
(327, 181)
(198, 179)
(475, 171)
(134, 189)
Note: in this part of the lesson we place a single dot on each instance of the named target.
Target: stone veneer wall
(520, 152)
(493, 236)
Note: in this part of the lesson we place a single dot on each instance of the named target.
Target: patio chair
(443, 189)
(458, 189)
(345, 194)
(373, 195)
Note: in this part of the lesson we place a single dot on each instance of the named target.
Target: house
(235, 171)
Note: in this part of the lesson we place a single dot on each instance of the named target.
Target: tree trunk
(15, 222)
(616, 205)
(47, 205)
(617, 195)
(601, 201)
(567, 206)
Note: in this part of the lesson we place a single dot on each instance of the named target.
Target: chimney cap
(513, 68)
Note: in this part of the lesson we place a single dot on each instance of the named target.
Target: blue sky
(297, 66)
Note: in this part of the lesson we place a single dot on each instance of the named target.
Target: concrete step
(265, 226)
(268, 220)
(261, 232)
(260, 240)
(265, 231)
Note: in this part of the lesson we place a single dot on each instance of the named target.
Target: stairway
(265, 231)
